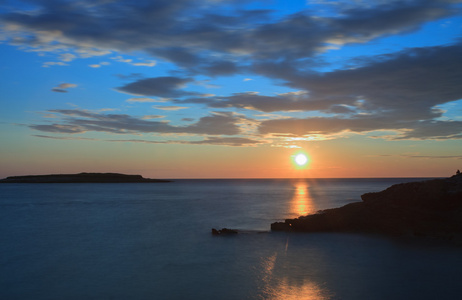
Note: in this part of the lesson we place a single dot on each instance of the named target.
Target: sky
(231, 88)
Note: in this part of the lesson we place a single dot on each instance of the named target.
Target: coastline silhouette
(81, 178)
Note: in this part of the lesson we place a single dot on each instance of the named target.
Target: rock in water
(80, 178)
(427, 208)
(224, 231)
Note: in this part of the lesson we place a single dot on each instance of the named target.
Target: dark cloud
(437, 130)
(221, 68)
(80, 121)
(327, 126)
(399, 91)
(58, 128)
(188, 33)
(407, 85)
(418, 130)
(167, 86)
(181, 56)
(294, 101)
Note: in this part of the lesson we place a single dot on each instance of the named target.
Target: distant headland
(431, 208)
(81, 178)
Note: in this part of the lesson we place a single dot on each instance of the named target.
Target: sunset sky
(231, 89)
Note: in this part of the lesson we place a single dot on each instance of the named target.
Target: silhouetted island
(81, 178)
(431, 208)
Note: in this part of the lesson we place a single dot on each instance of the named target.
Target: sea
(154, 241)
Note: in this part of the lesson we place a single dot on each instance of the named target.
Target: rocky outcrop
(426, 208)
(224, 231)
(80, 178)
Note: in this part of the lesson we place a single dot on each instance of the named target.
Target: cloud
(189, 33)
(325, 126)
(228, 141)
(104, 63)
(221, 68)
(81, 121)
(52, 63)
(172, 107)
(167, 86)
(433, 156)
(437, 130)
(219, 141)
(67, 57)
(149, 63)
(62, 88)
(404, 86)
(397, 91)
(149, 117)
(405, 130)
(64, 137)
(58, 128)
(295, 101)
(141, 100)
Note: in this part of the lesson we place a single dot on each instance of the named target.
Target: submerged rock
(224, 231)
(430, 208)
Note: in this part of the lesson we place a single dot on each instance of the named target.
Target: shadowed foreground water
(153, 241)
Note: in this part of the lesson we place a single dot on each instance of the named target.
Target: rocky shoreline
(81, 178)
(431, 208)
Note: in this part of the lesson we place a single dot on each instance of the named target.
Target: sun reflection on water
(306, 291)
(278, 288)
(281, 275)
(302, 202)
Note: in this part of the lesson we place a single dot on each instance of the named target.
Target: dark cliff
(80, 178)
(426, 208)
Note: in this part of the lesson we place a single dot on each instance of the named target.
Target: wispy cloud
(141, 100)
(81, 121)
(149, 117)
(149, 63)
(173, 107)
(222, 141)
(417, 156)
(53, 63)
(63, 87)
(104, 63)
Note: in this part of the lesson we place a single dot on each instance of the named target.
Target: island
(430, 208)
(81, 178)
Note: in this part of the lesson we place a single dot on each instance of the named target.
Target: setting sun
(301, 159)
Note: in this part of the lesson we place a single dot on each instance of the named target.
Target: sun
(301, 159)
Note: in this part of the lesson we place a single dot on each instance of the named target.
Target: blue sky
(198, 77)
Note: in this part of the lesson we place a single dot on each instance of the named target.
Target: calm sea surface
(153, 241)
